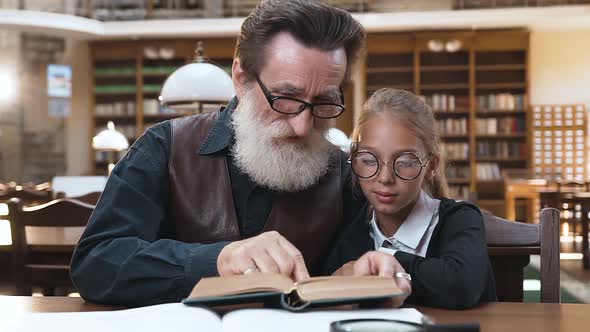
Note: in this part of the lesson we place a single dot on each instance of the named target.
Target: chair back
(26, 195)
(43, 240)
(89, 198)
(510, 243)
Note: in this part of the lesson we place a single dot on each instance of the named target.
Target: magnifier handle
(461, 327)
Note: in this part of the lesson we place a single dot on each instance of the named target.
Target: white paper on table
(263, 320)
(179, 317)
(160, 318)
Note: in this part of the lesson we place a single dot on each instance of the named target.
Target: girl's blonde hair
(408, 107)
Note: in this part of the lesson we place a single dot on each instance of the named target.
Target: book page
(156, 318)
(272, 320)
(346, 287)
(241, 284)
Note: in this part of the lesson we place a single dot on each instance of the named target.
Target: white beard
(280, 166)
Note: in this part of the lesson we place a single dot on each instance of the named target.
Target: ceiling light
(436, 45)
(453, 45)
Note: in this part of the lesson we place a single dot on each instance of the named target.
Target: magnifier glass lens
(369, 325)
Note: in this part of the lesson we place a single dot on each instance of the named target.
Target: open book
(179, 317)
(275, 290)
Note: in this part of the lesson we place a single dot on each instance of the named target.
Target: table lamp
(111, 141)
(197, 83)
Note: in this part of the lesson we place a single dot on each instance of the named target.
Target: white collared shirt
(413, 236)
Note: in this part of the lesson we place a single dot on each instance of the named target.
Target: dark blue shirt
(128, 254)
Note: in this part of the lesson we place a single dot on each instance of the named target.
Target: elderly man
(255, 186)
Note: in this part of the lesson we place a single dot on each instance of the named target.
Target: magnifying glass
(387, 325)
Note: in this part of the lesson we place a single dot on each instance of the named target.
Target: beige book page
(344, 287)
(241, 284)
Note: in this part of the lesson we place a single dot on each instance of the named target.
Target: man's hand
(375, 263)
(267, 252)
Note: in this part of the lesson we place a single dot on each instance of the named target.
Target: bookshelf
(479, 95)
(127, 80)
(501, 112)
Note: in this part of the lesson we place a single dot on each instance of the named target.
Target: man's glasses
(288, 105)
(407, 166)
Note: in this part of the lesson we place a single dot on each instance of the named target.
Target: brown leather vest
(203, 208)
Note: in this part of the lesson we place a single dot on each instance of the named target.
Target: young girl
(399, 166)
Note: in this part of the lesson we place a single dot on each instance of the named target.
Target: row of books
(499, 102)
(457, 172)
(130, 71)
(447, 103)
(488, 171)
(115, 108)
(115, 88)
(500, 149)
(114, 71)
(504, 125)
(125, 88)
(456, 150)
(153, 106)
(459, 192)
(452, 126)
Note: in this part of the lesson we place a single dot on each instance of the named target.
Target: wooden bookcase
(479, 94)
(127, 83)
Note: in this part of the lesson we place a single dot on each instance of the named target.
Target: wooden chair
(43, 240)
(27, 196)
(89, 198)
(510, 243)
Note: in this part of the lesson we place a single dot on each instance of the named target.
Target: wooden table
(521, 317)
(522, 188)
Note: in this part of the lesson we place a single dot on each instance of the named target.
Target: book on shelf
(452, 126)
(115, 89)
(500, 102)
(153, 106)
(158, 70)
(457, 172)
(446, 103)
(459, 191)
(488, 171)
(500, 149)
(119, 108)
(456, 150)
(276, 290)
(114, 71)
(503, 125)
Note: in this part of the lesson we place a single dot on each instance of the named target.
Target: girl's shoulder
(452, 209)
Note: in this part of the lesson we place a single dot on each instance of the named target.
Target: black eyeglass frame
(423, 163)
(271, 99)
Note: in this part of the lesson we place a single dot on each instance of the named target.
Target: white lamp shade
(197, 81)
(338, 138)
(110, 139)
